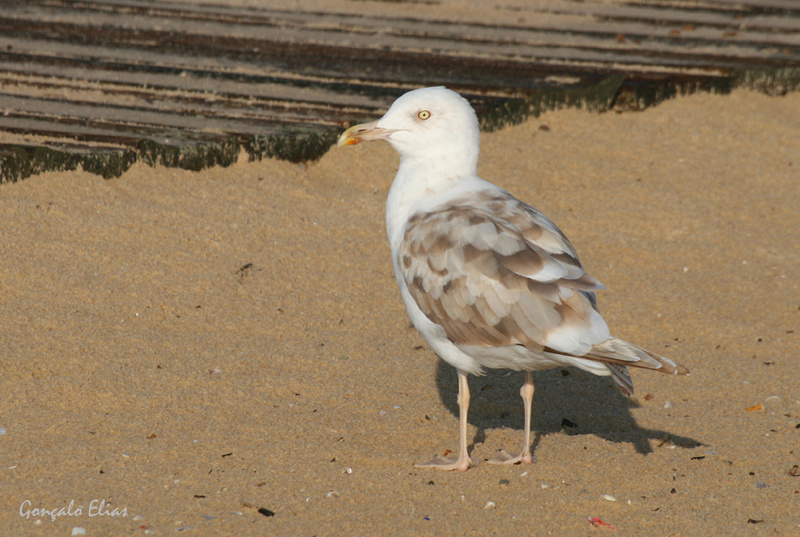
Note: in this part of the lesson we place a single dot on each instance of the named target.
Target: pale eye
(423, 115)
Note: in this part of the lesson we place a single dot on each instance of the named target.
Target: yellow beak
(365, 132)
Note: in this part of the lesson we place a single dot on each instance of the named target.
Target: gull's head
(426, 125)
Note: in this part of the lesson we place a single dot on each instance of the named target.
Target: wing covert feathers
(493, 272)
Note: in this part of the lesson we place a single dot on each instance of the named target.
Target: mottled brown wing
(493, 271)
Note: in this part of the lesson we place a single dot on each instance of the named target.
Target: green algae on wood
(310, 142)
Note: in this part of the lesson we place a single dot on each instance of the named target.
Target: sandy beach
(225, 352)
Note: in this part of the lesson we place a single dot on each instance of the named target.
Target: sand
(181, 350)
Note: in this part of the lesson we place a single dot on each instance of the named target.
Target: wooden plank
(139, 77)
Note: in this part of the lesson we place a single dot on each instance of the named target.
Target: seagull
(488, 281)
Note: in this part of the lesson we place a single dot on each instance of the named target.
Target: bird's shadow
(564, 399)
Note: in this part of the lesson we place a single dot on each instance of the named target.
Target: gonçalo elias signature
(96, 508)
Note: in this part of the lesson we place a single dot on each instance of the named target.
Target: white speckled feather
(520, 290)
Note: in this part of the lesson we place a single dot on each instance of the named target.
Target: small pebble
(545, 486)
(505, 482)
(609, 497)
(761, 485)
(489, 505)
(77, 530)
(3, 431)
(332, 494)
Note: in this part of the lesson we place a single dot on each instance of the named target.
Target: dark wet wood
(103, 84)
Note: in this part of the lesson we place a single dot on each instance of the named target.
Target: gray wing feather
(493, 271)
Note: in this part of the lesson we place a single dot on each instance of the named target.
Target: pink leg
(462, 462)
(504, 457)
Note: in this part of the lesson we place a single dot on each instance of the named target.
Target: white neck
(423, 175)
(417, 181)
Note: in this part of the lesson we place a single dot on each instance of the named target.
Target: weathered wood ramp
(102, 84)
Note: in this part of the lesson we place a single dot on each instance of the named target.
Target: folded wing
(494, 272)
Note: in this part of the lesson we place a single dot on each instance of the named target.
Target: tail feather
(615, 351)
(622, 378)
(618, 354)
